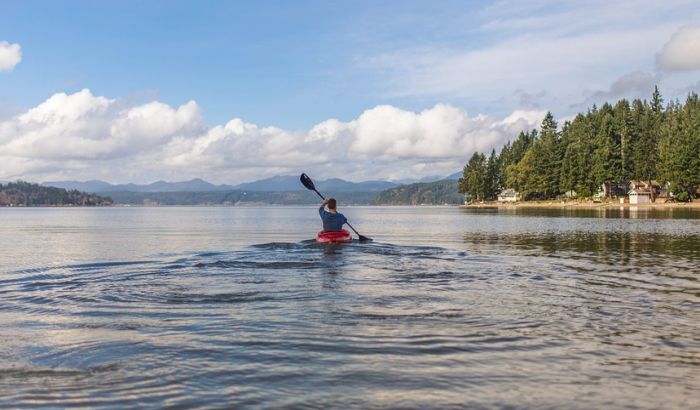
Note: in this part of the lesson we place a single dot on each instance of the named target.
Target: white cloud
(82, 136)
(383, 142)
(682, 52)
(633, 85)
(566, 51)
(561, 65)
(579, 16)
(442, 132)
(81, 126)
(10, 55)
(638, 84)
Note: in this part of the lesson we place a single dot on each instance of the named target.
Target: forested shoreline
(608, 145)
(22, 193)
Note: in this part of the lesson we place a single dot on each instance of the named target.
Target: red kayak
(342, 236)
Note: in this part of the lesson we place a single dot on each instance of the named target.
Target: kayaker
(332, 219)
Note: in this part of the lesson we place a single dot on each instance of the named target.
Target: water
(221, 307)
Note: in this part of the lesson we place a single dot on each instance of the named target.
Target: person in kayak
(332, 219)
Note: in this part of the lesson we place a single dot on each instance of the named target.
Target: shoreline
(583, 205)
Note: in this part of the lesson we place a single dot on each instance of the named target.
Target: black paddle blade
(308, 183)
(363, 238)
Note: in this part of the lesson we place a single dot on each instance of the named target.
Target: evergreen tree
(491, 182)
(473, 180)
(577, 145)
(679, 148)
(647, 152)
(539, 174)
(606, 156)
(624, 127)
(23, 193)
(521, 176)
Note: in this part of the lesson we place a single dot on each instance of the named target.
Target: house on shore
(509, 195)
(640, 196)
(645, 185)
(640, 192)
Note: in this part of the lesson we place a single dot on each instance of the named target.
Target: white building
(640, 196)
(509, 195)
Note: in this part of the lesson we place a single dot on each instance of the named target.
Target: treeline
(610, 145)
(22, 193)
(430, 193)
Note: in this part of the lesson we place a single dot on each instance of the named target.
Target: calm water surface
(216, 307)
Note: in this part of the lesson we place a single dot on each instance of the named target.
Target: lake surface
(448, 307)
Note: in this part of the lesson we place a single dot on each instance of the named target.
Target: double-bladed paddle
(309, 184)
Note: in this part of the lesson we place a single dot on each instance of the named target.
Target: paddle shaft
(346, 221)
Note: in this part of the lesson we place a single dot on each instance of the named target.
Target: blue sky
(291, 64)
(231, 91)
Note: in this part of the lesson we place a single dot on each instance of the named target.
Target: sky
(137, 91)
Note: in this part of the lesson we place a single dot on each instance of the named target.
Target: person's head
(332, 203)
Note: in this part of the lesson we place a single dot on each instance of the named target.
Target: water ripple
(377, 325)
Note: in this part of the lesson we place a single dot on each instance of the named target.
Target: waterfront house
(645, 185)
(641, 191)
(509, 195)
(640, 196)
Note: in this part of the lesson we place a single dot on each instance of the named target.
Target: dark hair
(331, 203)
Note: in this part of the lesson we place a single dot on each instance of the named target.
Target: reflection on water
(615, 251)
(449, 308)
(634, 212)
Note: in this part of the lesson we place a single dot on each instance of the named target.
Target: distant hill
(424, 193)
(22, 193)
(194, 185)
(291, 183)
(432, 178)
(238, 197)
(282, 183)
(276, 183)
(278, 190)
(340, 185)
(87, 186)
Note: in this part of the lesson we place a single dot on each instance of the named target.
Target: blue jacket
(331, 221)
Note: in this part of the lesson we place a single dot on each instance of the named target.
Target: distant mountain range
(440, 192)
(432, 178)
(281, 183)
(239, 198)
(195, 185)
(291, 183)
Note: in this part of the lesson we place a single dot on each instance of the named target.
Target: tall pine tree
(473, 181)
